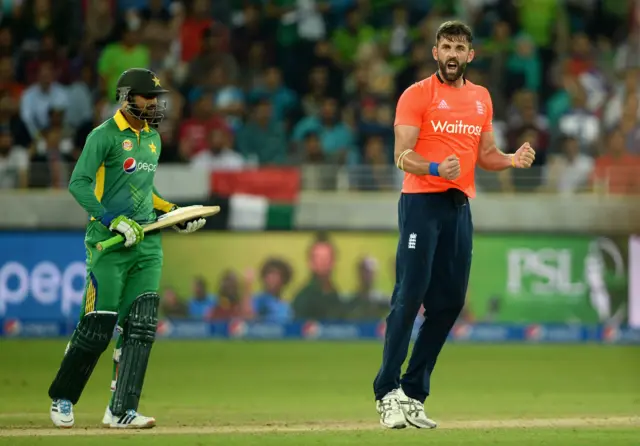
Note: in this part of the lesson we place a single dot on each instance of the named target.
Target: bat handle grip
(108, 243)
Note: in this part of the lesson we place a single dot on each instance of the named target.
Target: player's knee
(142, 320)
(95, 330)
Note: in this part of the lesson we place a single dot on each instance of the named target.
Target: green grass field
(313, 393)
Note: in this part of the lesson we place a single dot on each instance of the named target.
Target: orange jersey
(451, 121)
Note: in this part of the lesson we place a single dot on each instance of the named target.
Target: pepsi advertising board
(42, 275)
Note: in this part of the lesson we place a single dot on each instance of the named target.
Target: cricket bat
(172, 218)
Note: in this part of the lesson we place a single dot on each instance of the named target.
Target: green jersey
(114, 174)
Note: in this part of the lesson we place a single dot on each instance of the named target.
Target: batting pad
(90, 339)
(139, 334)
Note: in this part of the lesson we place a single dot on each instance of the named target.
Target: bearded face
(452, 54)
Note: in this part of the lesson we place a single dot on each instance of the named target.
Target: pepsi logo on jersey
(130, 166)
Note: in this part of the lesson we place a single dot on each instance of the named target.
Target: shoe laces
(65, 407)
(389, 403)
(415, 407)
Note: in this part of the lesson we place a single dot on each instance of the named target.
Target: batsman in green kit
(114, 182)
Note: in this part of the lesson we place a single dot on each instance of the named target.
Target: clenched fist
(524, 156)
(449, 169)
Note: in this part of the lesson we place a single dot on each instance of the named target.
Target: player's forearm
(411, 162)
(81, 189)
(493, 159)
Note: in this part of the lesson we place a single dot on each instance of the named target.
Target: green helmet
(143, 82)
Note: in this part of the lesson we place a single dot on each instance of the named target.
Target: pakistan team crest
(127, 145)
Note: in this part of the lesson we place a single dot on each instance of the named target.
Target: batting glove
(129, 229)
(190, 226)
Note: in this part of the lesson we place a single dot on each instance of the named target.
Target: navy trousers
(433, 262)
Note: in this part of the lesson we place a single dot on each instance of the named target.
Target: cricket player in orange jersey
(443, 128)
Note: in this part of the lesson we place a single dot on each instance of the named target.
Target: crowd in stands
(315, 82)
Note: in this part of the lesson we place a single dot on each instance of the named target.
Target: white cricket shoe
(391, 415)
(108, 416)
(61, 413)
(132, 420)
(413, 412)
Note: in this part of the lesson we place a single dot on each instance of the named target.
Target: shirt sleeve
(82, 184)
(411, 107)
(488, 124)
(160, 203)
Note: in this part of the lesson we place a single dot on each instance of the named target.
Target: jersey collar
(123, 124)
(464, 80)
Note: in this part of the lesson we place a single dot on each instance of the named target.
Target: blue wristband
(107, 219)
(433, 169)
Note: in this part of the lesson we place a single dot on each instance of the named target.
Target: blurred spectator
(367, 303)
(233, 298)
(268, 305)
(580, 123)
(202, 302)
(371, 123)
(284, 100)
(347, 39)
(220, 155)
(493, 55)
(8, 82)
(88, 125)
(335, 136)
(50, 155)
(581, 57)
(263, 139)
(171, 306)
(40, 98)
(419, 56)
(325, 57)
(319, 298)
(398, 37)
(195, 131)
(156, 11)
(10, 119)
(48, 52)
(39, 17)
(379, 73)
(14, 162)
(99, 20)
(616, 172)
(192, 33)
(252, 30)
(250, 76)
(629, 87)
(570, 171)
(311, 152)
(120, 56)
(317, 92)
(375, 173)
(630, 125)
(227, 98)
(524, 67)
(80, 97)
(213, 54)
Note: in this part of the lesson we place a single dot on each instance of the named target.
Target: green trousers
(117, 276)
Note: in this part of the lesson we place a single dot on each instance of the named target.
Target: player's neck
(135, 123)
(458, 83)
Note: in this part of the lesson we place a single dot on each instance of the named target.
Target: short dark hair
(454, 30)
(279, 265)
